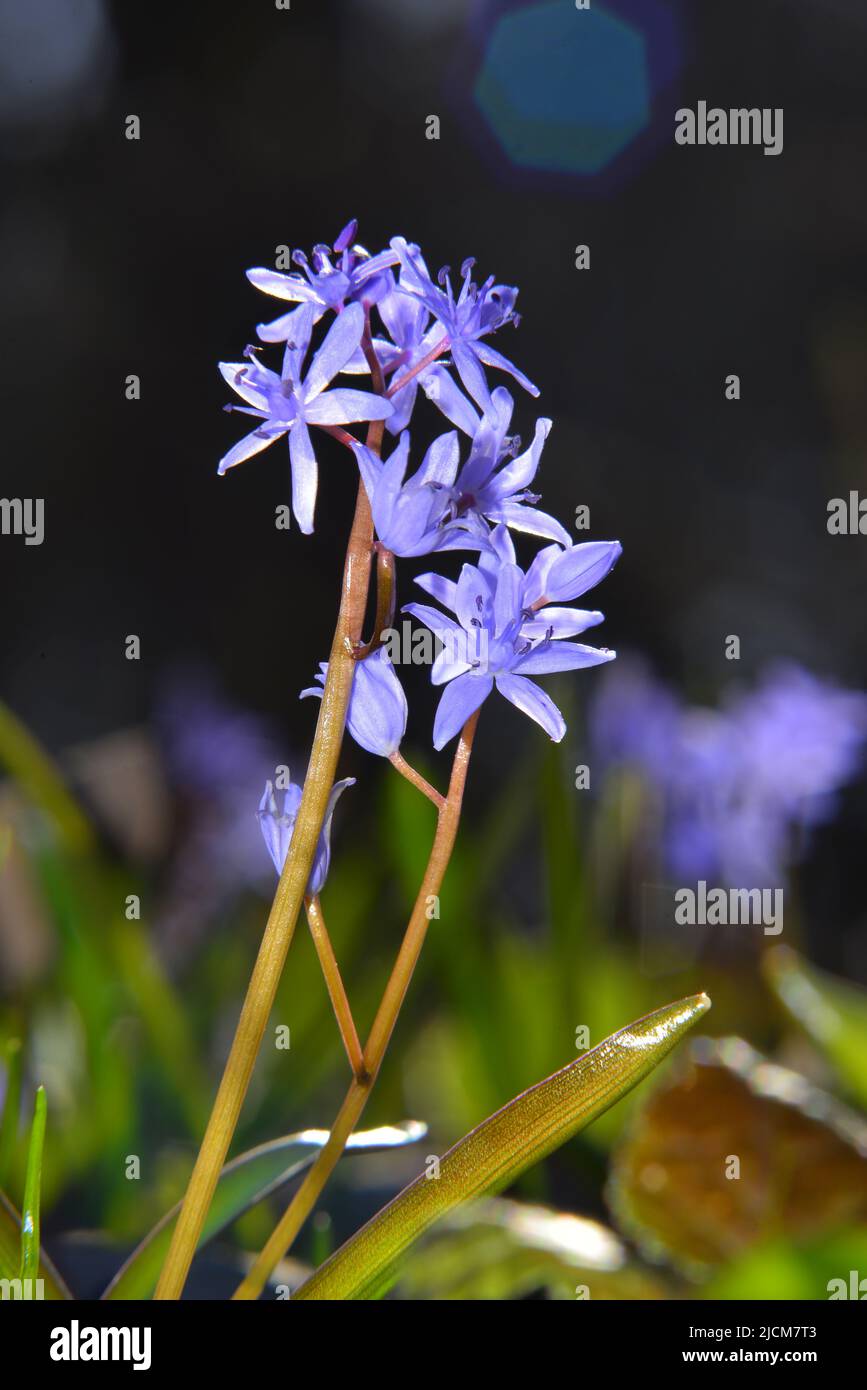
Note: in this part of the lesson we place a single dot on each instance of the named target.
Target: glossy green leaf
(502, 1147)
(33, 1190)
(248, 1179)
(10, 1254)
(832, 1011)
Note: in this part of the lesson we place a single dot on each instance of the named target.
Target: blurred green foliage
(541, 948)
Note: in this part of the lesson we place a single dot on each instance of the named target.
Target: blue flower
(355, 277)
(466, 320)
(377, 712)
(412, 517)
(493, 484)
(492, 644)
(278, 827)
(581, 567)
(561, 574)
(288, 403)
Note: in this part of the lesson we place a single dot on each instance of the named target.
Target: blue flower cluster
(415, 333)
(738, 788)
(434, 338)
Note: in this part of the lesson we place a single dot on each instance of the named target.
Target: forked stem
(334, 981)
(383, 1025)
(386, 599)
(406, 770)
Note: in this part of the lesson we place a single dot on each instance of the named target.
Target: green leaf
(502, 1147)
(248, 1179)
(33, 1190)
(10, 1254)
(833, 1012)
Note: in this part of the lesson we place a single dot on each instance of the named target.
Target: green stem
(280, 927)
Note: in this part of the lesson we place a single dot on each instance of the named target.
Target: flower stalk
(359, 1091)
(513, 617)
(334, 982)
(283, 916)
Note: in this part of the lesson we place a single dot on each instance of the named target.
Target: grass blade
(502, 1147)
(32, 1191)
(10, 1254)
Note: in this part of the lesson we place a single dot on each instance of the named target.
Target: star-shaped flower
(288, 403)
(351, 276)
(477, 311)
(491, 617)
(412, 517)
(493, 484)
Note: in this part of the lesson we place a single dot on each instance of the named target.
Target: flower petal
(492, 358)
(521, 471)
(561, 656)
(292, 287)
(528, 519)
(370, 468)
(472, 598)
(459, 700)
(534, 587)
(322, 858)
(280, 330)
(241, 380)
(579, 568)
(305, 476)
(530, 699)
(471, 374)
(251, 444)
(442, 392)
(561, 622)
(343, 406)
(443, 590)
(299, 333)
(443, 627)
(440, 464)
(377, 713)
(507, 598)
(341, 341)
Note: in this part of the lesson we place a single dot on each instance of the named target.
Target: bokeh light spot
(564, 89)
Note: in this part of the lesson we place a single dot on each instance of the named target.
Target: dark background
(261, 127)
